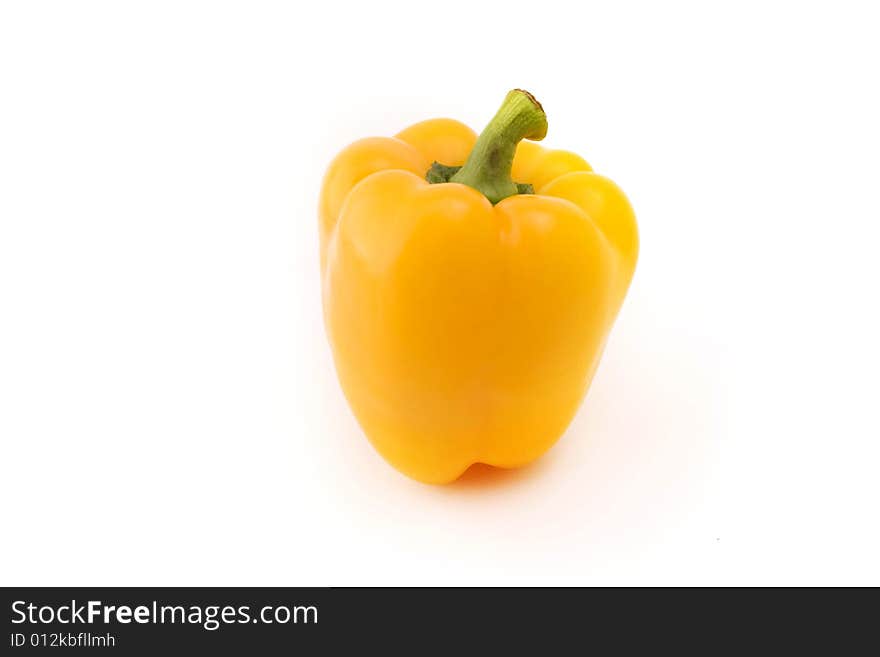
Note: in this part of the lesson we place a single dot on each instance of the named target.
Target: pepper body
(465, 332)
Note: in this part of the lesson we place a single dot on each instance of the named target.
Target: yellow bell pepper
(469, 285)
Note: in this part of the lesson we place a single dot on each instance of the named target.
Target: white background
(169, 412)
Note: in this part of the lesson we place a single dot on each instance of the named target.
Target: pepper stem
(488, 166)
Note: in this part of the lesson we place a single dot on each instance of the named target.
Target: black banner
(149, 620)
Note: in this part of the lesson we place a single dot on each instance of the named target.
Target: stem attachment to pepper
(488, 167)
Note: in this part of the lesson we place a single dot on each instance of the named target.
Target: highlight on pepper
(469, 284)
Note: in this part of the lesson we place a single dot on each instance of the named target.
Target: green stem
(488, 166)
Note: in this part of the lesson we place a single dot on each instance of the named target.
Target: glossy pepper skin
(465, 332)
